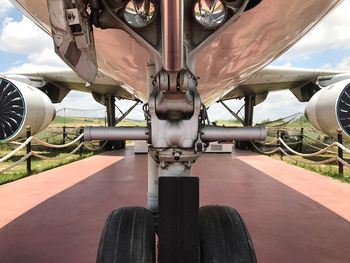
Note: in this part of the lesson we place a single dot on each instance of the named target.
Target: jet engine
(329, 109)
(22, 105)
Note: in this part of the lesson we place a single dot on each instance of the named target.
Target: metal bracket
(75, 22)
(73, 37)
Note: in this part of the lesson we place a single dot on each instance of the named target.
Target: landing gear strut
(178, 135)
(110, 110)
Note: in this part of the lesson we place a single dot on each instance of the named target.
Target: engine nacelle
(329, 109)
(22, 105)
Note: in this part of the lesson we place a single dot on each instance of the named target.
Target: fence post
(81, 141)
(64, 135)
(340, 153)
(279, 143)
(301, 140)
(29, 149)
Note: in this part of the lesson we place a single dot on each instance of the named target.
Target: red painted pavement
(293, 215)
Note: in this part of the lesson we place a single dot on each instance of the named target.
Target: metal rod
(64, 135)
(214, 133)
(301, 140)
(249, 110)
(126, 113)
(81, 130)
(115, 133)
(172, 34)
(232, 112)
(279, 143)
(29, 149)
(340, 154)
(110, 107)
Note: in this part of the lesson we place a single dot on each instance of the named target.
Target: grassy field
(330, 170)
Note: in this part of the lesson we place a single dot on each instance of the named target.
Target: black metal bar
(29, 150)
(249, 110)
(64, 135)
(126, 113)
(178, 220)
(110, 105)
(81, 141)
(232, 112)
(279, 144)
(340, 154)
(121, 112)
(301, 140)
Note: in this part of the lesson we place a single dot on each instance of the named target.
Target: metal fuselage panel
(258, 37)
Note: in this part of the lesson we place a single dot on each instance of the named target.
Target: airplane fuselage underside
(255, 39)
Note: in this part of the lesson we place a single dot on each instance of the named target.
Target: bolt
(177, 156)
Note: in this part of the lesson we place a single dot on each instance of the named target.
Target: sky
(25, 47)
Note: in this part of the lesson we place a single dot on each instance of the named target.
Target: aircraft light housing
(139, 13)
(210, 13)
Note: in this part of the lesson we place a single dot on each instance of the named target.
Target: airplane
(177, 57)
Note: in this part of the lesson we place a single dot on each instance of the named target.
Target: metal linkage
(208, 134)
(115, 133)
(214, 133)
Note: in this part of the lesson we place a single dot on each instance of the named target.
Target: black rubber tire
(224, 237)
(128, 237)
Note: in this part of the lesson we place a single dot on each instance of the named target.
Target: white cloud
(332, 32)
(46, 60)
(26, 38)
(5, 7)
(82, 104)
(23, 37)
(287, 65)
(344, 64)
(327, 66)
(278, 104)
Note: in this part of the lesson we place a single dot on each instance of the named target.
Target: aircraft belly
(253, 41)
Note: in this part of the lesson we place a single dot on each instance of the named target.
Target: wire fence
(76, 140)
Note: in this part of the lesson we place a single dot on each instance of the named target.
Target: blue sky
(24, 47)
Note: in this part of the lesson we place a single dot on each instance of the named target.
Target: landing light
(139, 13)
(210, 13)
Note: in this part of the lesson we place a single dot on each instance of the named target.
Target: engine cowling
(22, 105)
(329, 109)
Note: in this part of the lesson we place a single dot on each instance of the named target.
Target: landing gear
(249, 101)
(224, 237)
(128, 237)
(111, 122)
(178, 134)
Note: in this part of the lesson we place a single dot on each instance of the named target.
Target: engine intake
(329, 109)
(22, 105)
